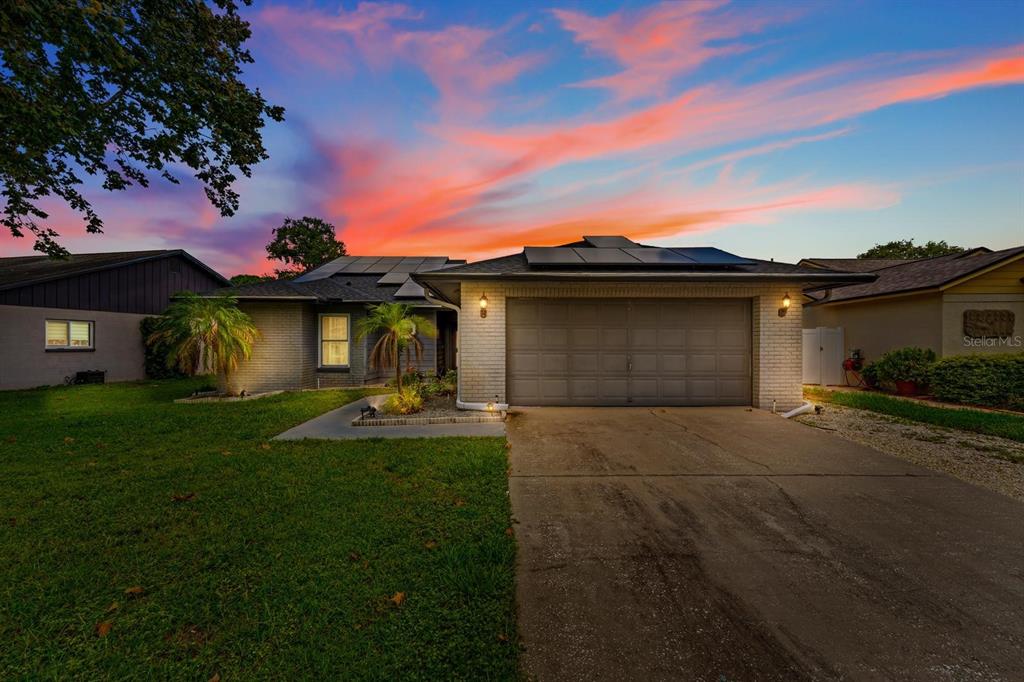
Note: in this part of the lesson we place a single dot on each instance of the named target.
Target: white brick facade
(777, 344)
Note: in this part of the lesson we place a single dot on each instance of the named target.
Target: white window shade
(334, 340)
(81, 334)
(56, 333)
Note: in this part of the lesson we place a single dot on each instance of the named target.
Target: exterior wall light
(483, 305)
(786, 302)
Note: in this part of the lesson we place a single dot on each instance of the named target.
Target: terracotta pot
(906, 388)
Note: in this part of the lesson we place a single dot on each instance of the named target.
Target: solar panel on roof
(607, 256)
(325, 270)
(655, 256)
(554, 255)
(407, 265)
(360, 264)
(385, 264)
(434, 263)
(709, 255)
(409, 290)
(609, 241)
(393, 278)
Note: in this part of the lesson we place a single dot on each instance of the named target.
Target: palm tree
(205, 335)
(399, 330)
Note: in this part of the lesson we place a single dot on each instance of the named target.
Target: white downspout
(459, 403)
(803, 409)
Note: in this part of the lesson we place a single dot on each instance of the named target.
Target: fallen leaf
(103, 629)
(264, 446)
(68, 440)
(226, 453)
(13, 521)
(114, 606)
(12, 439)
(398, 599)
(182, 497)
(354, 556)
(502, 637)
(430, 544)
(135, 591)
(215, 678)
(509, 532)
(459, 502)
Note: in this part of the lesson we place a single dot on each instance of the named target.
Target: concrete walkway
(337, 425)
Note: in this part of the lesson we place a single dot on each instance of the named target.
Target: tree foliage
(205, 335)
(121, 90)
(906, 249)
(304, 244)
(243, 279)
(399, 330)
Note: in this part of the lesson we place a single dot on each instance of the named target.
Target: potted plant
(907, 369)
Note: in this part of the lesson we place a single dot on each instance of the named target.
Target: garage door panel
(523, 363)
(672, 338)
(733, 364)
(617, 352)
(732, 338)
(614, 363)
(672, 363)
(614, 338)
(643, 338)
(645, 363)
(554, 363)
(584, 363)
(554, 389)
(703, 363)
(701, 338)
(524, 338)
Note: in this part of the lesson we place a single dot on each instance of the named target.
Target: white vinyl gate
(823, 356)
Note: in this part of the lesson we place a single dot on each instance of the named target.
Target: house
(608, 321)
(60, 317)
(308, 324)
(970, 302)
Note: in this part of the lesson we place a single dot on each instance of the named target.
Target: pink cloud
(466, 64)
(659, 43)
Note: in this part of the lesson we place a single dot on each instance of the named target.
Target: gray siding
(142, 288)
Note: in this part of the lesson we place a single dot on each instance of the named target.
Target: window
(334, 331)
(69, 335)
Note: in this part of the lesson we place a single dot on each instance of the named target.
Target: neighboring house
(309, 323)
(60, 317)
(607, 321)
(971, 302)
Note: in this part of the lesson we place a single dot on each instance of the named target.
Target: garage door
(628, 352)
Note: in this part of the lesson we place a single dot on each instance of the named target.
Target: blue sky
(775, 130)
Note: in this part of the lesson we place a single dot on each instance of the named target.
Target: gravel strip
(972, 457)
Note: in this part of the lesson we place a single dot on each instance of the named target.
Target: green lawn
(255, 559)
(1002, 424)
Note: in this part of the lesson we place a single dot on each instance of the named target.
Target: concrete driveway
(730, 544)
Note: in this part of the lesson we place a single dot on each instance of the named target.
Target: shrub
(406, 401)
(445, 385)
(155, 357)
(870, 374)
(905, 364)
(991, 380)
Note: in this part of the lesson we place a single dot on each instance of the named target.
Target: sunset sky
(470, 129)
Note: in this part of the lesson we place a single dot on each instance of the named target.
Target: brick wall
(285, 358)
(777, 343)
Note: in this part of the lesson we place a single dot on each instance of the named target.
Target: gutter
(459, 402)
(651, 276)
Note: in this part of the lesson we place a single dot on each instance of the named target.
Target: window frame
(67, 325)
(320, 341)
